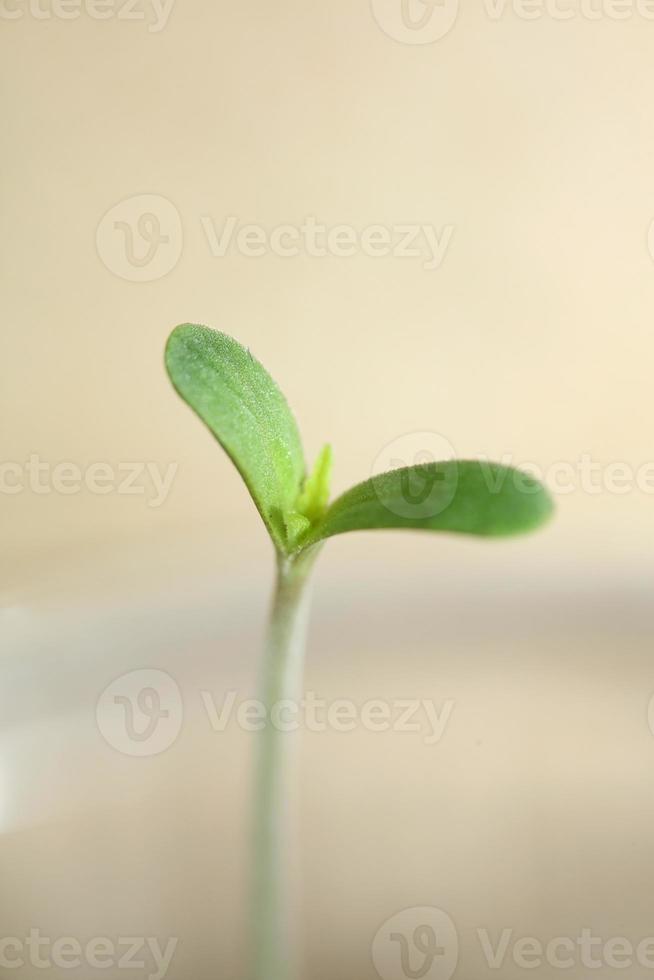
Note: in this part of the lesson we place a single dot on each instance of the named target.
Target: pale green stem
(272, 899)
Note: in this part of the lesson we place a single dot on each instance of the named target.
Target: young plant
(247, 413)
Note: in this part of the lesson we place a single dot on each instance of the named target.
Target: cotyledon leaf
(464, 496)
(245, 410)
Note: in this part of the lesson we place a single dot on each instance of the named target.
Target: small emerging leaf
(314, 498)
(465, 496)
(240, 403)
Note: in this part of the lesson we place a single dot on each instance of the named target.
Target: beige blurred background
(527, 145)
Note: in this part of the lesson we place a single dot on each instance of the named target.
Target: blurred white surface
(531, 813)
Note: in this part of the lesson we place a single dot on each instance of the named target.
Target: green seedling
(245, 410)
